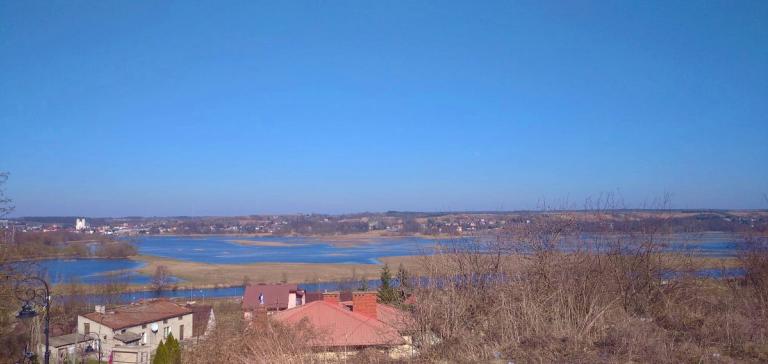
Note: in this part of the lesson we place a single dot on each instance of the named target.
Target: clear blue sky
(113, 108)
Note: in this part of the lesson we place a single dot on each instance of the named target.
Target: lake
(244, 250)
(91, 271)
(224, 250)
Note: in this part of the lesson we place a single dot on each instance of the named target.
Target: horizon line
(394, 212)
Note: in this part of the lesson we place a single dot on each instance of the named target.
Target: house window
(166, 331)
(181, 332)
(87, 328)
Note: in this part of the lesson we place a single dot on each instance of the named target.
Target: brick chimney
(331, 297)
(364, 303)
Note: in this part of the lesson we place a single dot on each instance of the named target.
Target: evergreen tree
(161, 354)
(387, 293)
(173, 348)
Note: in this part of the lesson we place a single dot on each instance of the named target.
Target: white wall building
(135, 327)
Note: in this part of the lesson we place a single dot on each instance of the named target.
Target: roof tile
(338, 327)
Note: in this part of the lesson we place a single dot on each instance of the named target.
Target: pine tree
(161, 354)
(387, 293)
(173, 348)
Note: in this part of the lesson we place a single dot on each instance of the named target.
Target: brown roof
(201, 314)
(275, 295)
(138, 314)
(338, 327)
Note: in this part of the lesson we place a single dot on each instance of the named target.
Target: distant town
(391, 223)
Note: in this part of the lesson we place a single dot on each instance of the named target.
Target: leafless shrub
(236, 341)
(547, 291)
(754, 259)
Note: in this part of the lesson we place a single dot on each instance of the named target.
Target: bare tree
(10, 339)
(162, 278)
(6, 206)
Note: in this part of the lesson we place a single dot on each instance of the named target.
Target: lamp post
(34, 291)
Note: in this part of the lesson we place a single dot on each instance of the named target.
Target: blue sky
(114, 108)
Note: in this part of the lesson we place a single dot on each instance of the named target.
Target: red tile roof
(401, 320)
(338, 327)
(138, 314)
(275, 295)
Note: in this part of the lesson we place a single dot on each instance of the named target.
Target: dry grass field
(211, 275)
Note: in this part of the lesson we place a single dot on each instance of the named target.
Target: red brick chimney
(364, 303)
(331, 297)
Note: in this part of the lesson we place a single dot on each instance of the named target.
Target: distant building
(273, 297)
(80, 224)
(134, 330)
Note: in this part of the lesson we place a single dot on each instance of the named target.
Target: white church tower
(80, 224)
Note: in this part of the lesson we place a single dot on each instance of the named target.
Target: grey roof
(127, 337)
(68, 339)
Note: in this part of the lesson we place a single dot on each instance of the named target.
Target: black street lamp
(27, 312)
(34, 291)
